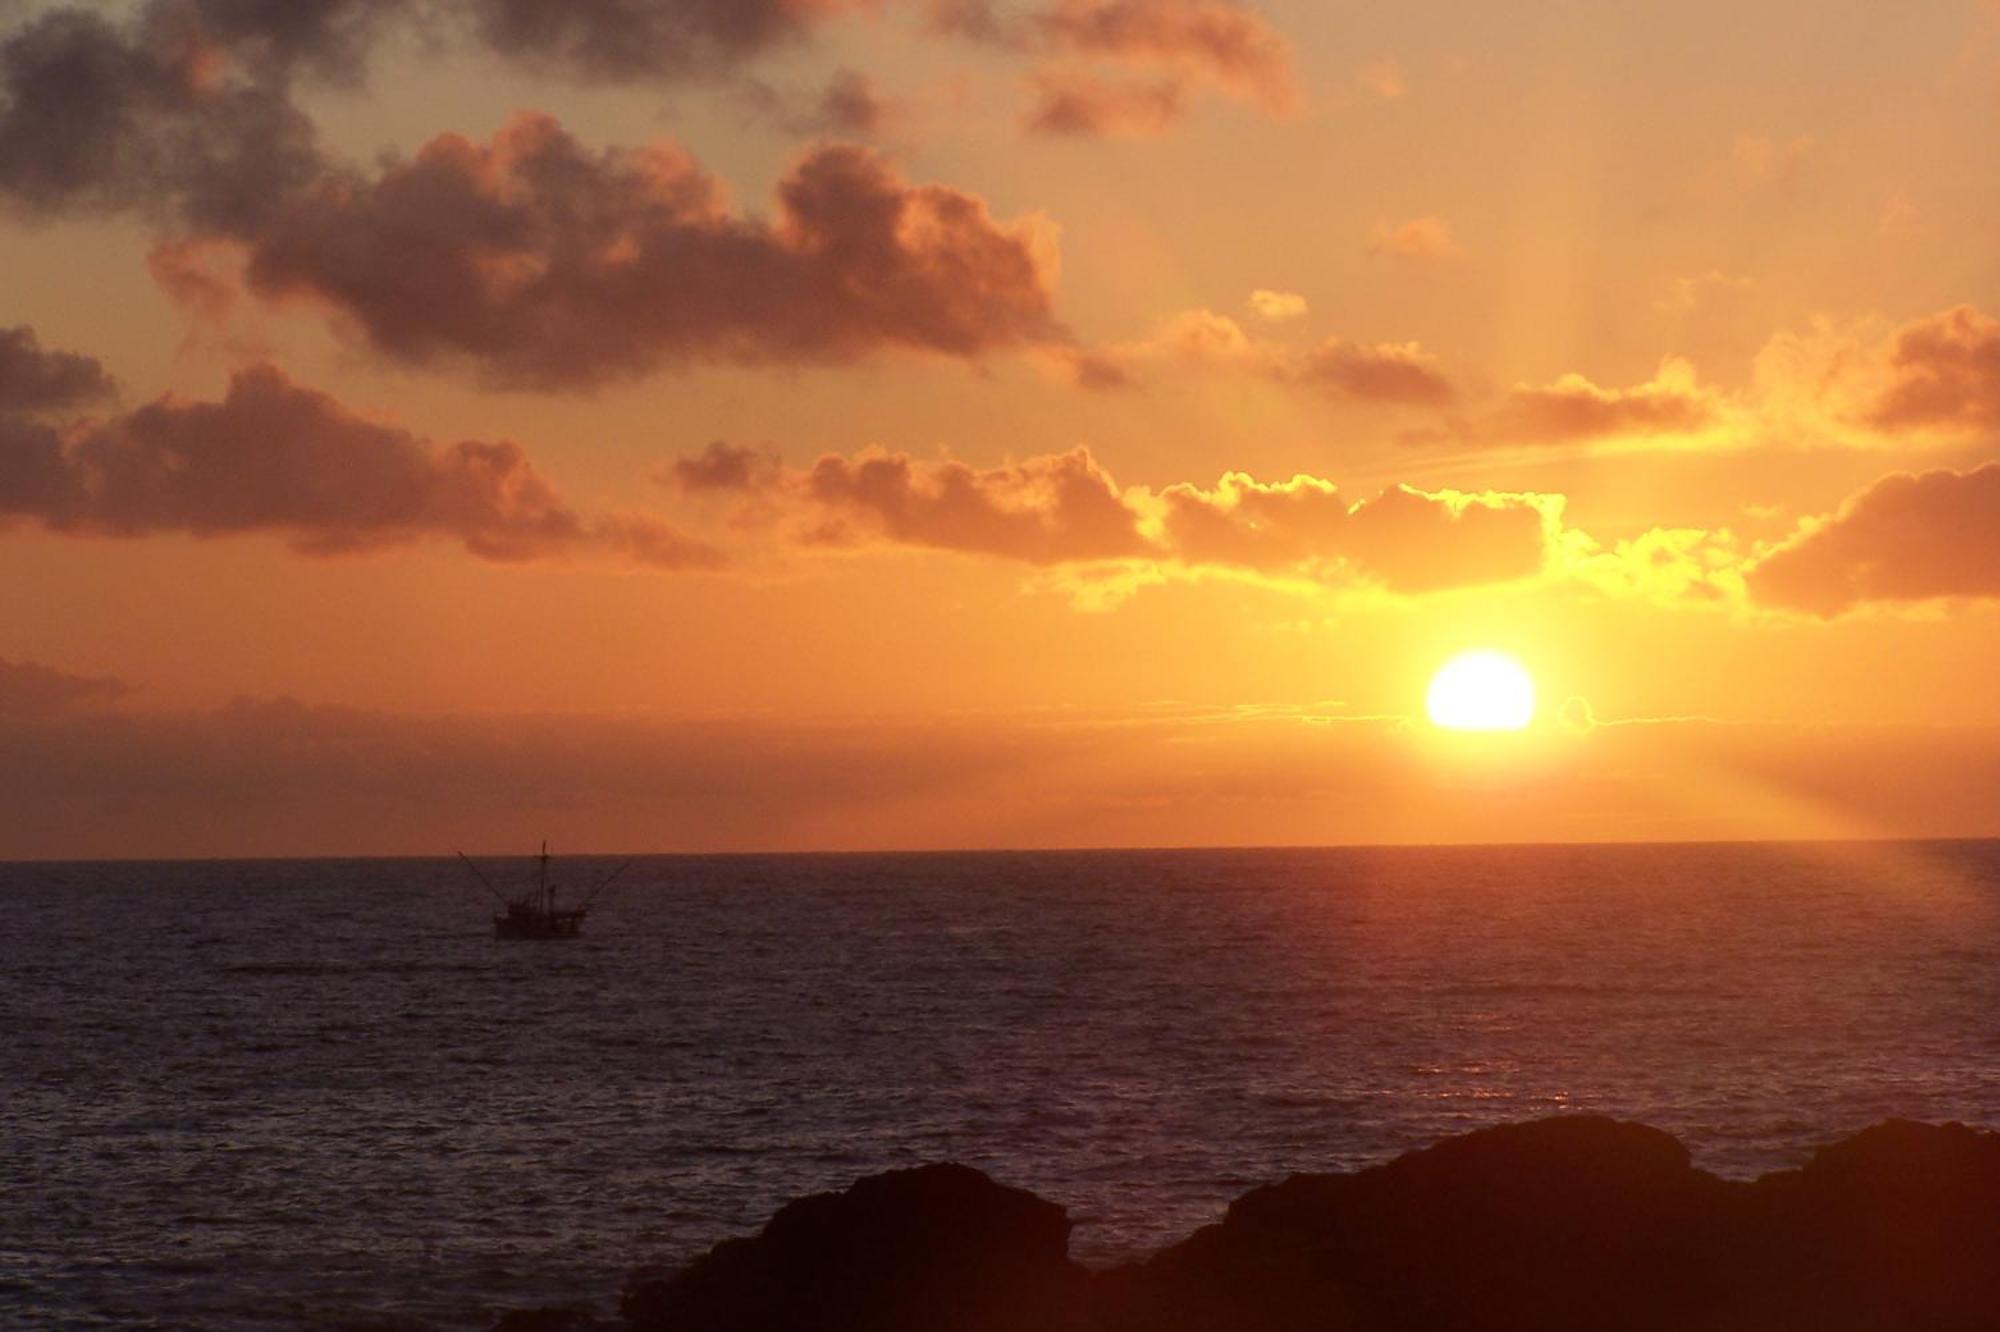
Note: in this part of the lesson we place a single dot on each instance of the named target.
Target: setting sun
(1481, 691)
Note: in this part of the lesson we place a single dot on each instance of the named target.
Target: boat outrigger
(535, 915)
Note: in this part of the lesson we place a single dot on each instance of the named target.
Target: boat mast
(548, 893)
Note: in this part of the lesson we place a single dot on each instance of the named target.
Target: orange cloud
(1277, 305)
(1400, 373)
(1418, 238)
(1573, 410)
(1945, 374)
(1906, 538)
(1405, 540)
(1065, 508)
(1216, 42)
(1050, 509)
(1069, 102)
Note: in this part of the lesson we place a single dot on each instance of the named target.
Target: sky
(664, 425)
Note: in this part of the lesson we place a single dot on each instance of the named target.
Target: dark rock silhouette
(1574, 1224)
(546, 1320)
(1564, 1223)
(926, 1250)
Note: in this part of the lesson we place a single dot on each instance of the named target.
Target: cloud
(1217, 43)
(1072, 103)
(725, 467)
(1944, 375)
(851, 105)
(629, 40)
(34, 380)
(1905, 538)
(549, 266)
(1049, 509)
(96, 118)
(1383, 78)
(1418, 238)
(1065, 508)
(1573, 410)
(1277, 305)
(1389, 373)
(1163, 52)
(1761, 160)
(272, 456)
(1405, 540)
(28, 689)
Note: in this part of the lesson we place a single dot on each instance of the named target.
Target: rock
(1577, 1223)
(1895, 1228)
(938, 1249)
(546, 1320)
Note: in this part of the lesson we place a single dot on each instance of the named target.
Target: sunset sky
(734, 424)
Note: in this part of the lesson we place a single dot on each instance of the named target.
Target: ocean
(246, 1095)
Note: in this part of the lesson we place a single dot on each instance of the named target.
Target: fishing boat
(534, 914)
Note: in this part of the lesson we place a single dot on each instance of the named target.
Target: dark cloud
(28, 689)
(550, 266)
(634, 39)
(34, 380)
(725, 467)
(1903, 539)
(1945, 374)
(849, 106)
(98, 118)
(275, 457)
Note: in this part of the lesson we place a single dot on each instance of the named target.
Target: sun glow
(1481, 691)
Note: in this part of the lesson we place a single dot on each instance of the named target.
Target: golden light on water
(1481, 690)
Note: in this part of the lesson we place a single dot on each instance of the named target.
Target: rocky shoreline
(1572, 1224)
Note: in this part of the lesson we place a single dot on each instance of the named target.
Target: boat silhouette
(534, 914)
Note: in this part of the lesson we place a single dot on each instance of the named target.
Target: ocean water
(258, 1095)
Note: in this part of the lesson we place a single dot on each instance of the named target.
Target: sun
(1481, 691)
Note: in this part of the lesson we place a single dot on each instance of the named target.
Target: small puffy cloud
(1385, 373)
(1418, 238)
(1382, 78)
(1673, 402)
(1762, 160)
(28, 689)
(1673, 409)
(33, 379)
(725, 467)
(1277, 305)
(549, 266)
(1069, 102)
(273, 456)
(1906, 538)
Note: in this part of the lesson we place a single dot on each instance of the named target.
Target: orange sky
(678, 424)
